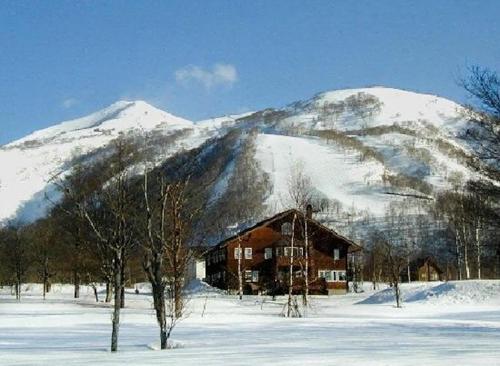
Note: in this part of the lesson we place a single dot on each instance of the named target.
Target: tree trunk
(45, 275)
(466, 262)
(161, 316)
(76, 282)
(498, 263)
(374, 273)
(117, 303)
(163, 338)
(18, 290)
(240, 279)
(122, 282)
(178, 298)
(478, 246)
(290, 278)
(109, 291)
(122, 297)
(397, 293)
(408, 269)
(96, 294)
(459, 262)
(306, 276)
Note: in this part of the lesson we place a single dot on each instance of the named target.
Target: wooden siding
(222, 265)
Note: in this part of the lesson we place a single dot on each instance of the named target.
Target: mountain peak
(118, 116)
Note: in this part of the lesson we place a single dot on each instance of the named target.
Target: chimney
(309, 211)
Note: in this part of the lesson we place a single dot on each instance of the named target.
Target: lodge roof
(353, 247)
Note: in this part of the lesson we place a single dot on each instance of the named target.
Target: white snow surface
(443, 294)
(333, 173)
(461, 328)
(120, 116)
(221, 122)
(402, 106)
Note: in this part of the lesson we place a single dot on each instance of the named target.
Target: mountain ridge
(379, 138)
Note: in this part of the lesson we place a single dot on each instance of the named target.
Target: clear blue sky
(64, 59)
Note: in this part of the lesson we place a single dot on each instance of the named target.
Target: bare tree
(483, 86)
(395, 261)
(108, 211)
(169, 222)
(479, 208)
(240, 269)
(375, 260)
(299, 187)
(306, 250)
(16, 255)
(43, 250)
(83, 254)
(393, 243)
(292, 307)
(300, 195)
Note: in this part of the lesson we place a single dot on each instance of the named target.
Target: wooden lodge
(263, 254)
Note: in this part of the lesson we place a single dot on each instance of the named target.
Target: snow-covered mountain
(355, 145)
(29, 164)
(358, 144)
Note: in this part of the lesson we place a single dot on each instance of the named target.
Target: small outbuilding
(424, 269)
(196, 264)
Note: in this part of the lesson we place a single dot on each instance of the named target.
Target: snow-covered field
(455, 323)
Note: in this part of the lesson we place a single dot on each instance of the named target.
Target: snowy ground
(456, 323)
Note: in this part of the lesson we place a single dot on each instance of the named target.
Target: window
(248, 276)
(248, 253)
(287, 251)
(336, 254)
(255, 276)
(286, 229)
(332, 276)
(341, 276)
(268, 253)
(327, 275)
(279, 252)
(237, 253)
(251, 276)
(297, 251)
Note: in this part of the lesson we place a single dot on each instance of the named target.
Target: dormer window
(286, 229)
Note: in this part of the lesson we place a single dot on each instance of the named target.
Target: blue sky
(198, 59)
